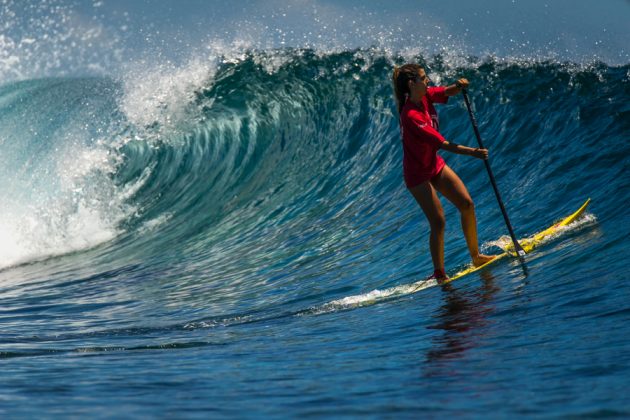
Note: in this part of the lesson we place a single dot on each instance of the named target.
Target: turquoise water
(176, 254)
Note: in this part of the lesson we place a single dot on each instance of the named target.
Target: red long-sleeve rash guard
(421, 139)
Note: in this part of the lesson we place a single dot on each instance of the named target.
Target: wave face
(148, 209)
(271, 151)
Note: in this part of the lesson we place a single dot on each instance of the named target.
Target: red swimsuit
(421, 139)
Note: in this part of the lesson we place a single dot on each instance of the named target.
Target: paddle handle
(517, 247)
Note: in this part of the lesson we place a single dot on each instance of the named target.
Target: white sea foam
(158, 95)
(79, 209)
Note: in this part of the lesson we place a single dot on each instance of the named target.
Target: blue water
(170, 246)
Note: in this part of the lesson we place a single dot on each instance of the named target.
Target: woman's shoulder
(412, 111)
(414, 116)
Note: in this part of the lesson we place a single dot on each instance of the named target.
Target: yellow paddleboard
(528, 244)
(379, 295)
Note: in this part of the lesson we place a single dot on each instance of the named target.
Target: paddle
(519, 249)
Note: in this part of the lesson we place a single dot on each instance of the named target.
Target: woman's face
(419, 85)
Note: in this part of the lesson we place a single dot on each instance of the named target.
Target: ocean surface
(177, 245)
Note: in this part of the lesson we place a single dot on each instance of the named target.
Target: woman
(425, 172)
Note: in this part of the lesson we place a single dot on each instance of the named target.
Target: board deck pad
(528, 244)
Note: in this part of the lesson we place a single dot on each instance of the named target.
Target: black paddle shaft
(517, 247)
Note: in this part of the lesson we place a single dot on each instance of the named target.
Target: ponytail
(400, 78)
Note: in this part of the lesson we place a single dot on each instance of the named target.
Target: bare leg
(428, 200)
(448, 183)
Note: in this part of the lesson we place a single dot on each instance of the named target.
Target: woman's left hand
(457, 87)
(462, 83)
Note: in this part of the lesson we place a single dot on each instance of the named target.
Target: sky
(571, 27)
(75, 36)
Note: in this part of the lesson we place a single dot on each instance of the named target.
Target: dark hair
(402, 75)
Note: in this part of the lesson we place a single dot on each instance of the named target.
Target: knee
(438, 223)
(466, 205)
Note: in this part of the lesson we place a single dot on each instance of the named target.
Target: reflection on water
(462, 319)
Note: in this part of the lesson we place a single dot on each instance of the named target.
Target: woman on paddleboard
(425, 171)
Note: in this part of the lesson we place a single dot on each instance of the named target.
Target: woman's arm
(464, 150)
(456, 87)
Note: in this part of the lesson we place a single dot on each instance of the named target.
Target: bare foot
(439, 276)
(481, 259)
